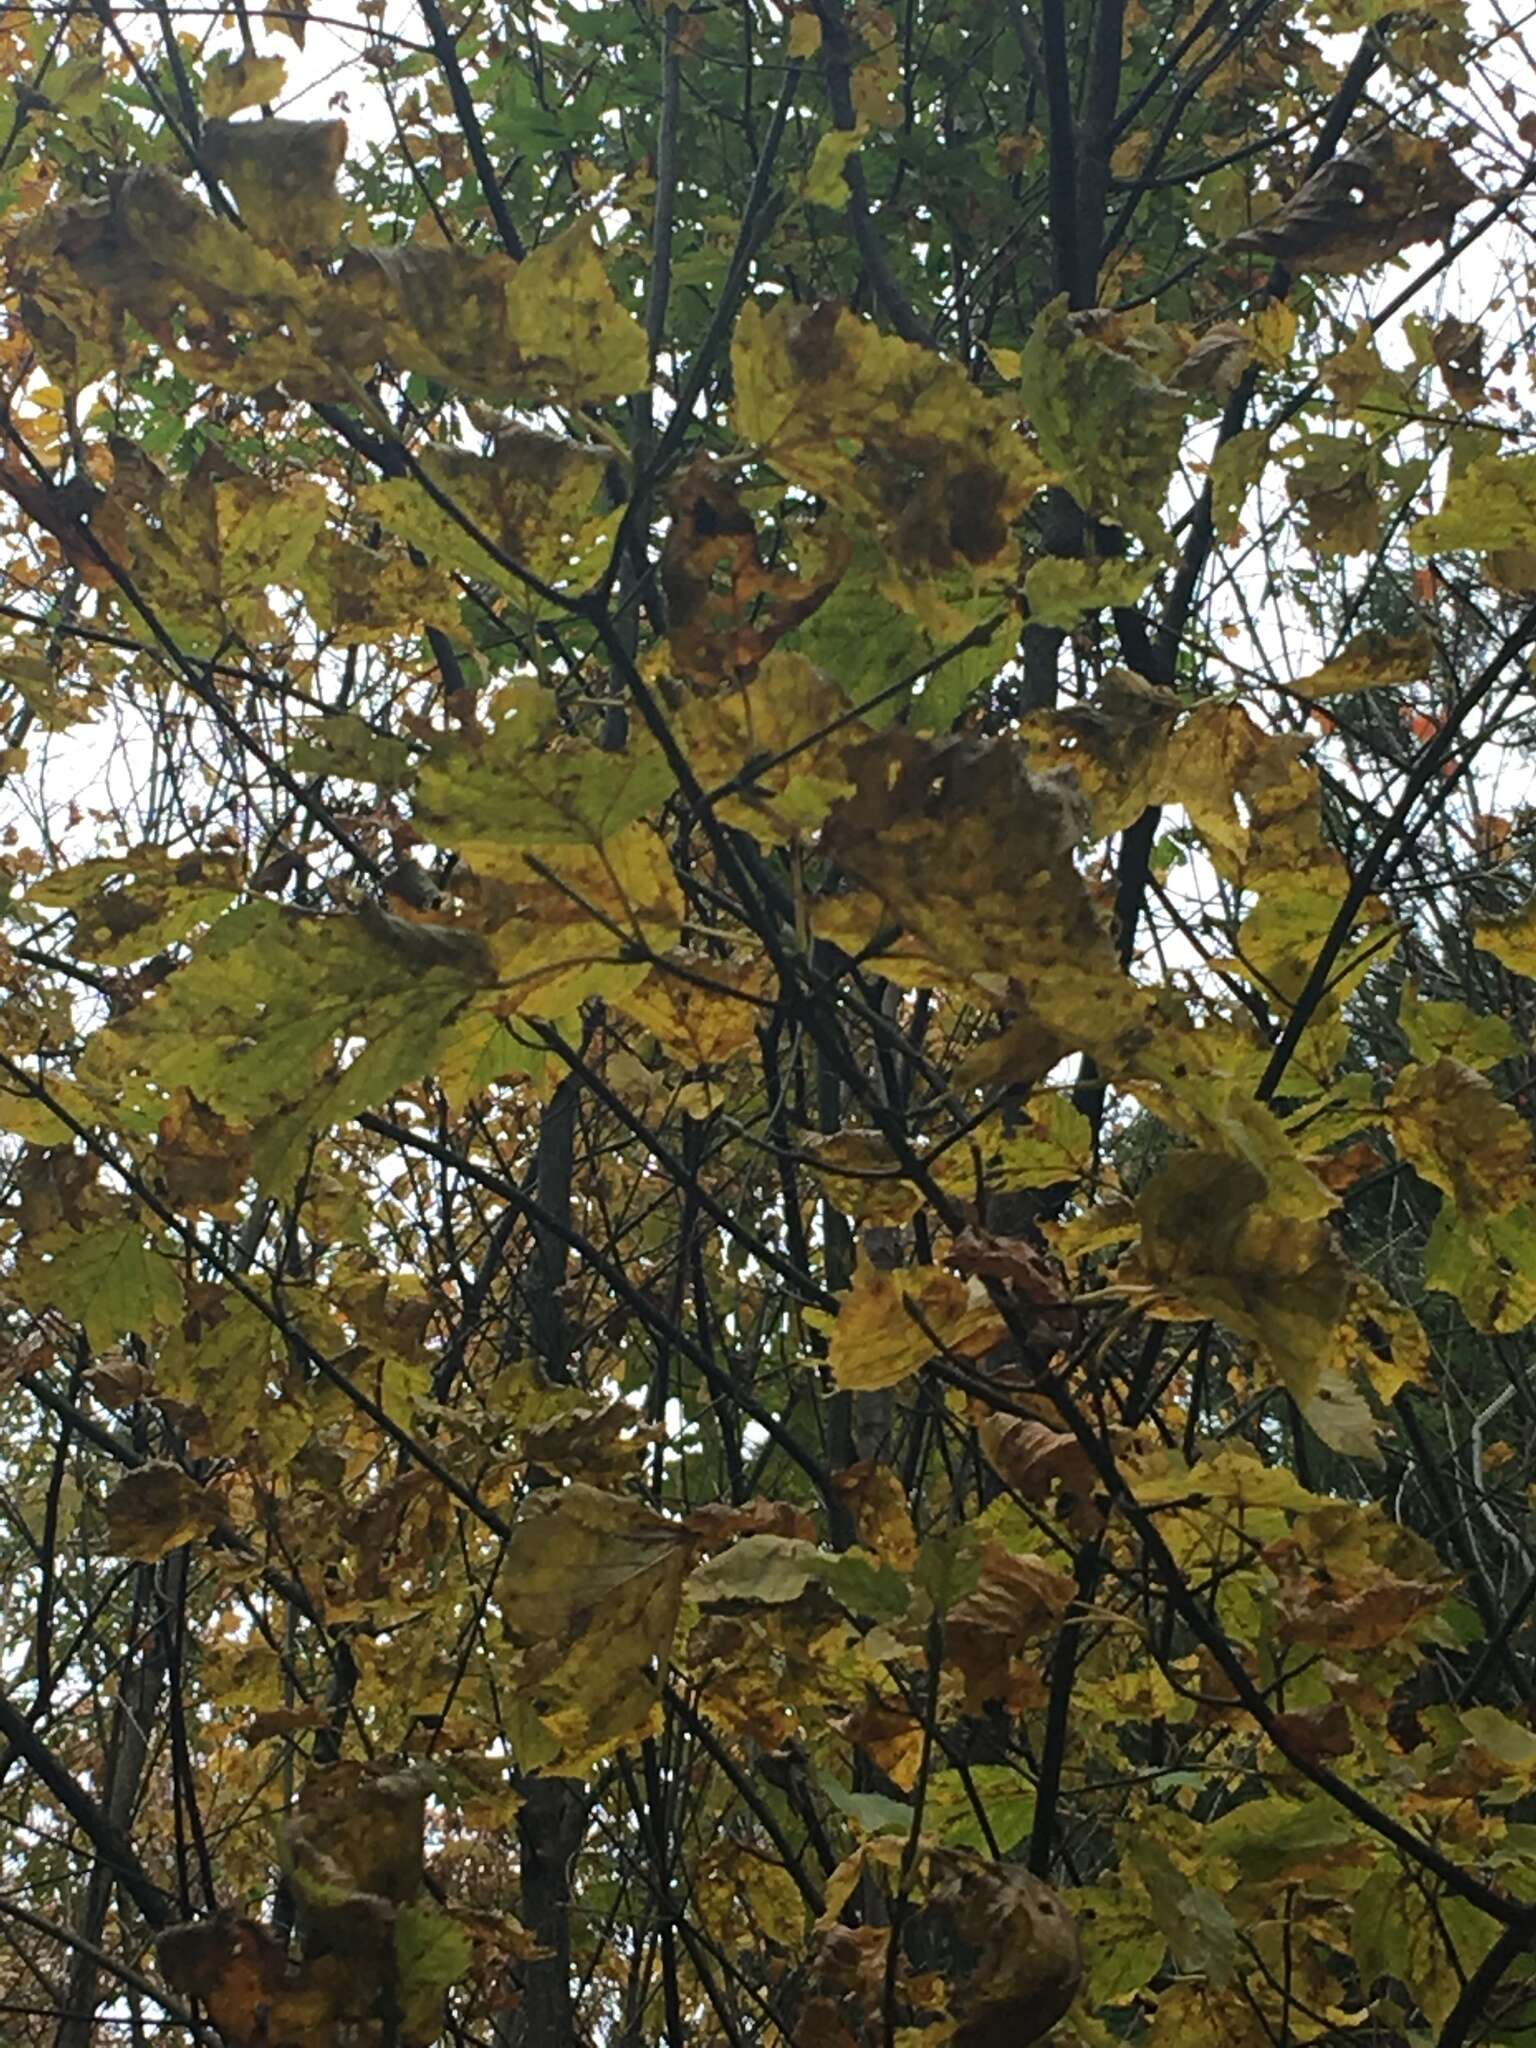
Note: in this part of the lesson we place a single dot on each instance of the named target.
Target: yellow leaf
(1211, 1246)
(1371, 660)
(1037, 1146)
(1383, 1338)
(283, 176)
(522, 784)
(816, 387)
(1449, 1123)
(582, 923)
(1272, 330)
(1195, 2016)
(700, 1008)
(1115, 746)
(232, 83)
(1099, 391)
(550, 326)
(859, 1174)
(825, 183)
(358, 595)
(804, 33)
(1450, 1028)
(973, 855)
(131, 906)
(589, 1593)
(107, 1277)
(1491, 504)
(877, 1498)
(1510, 939)
(530, 500)
(1488, 1263)
(1061, 589)
(890, 1323)
(743, 734)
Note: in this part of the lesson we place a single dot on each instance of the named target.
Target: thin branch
(473, 133)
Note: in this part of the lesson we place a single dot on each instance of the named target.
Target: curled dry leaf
(1019, 1959)
(1019, 1601)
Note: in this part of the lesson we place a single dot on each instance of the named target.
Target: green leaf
(1274, 1838)
(871, 1812)
(1063, 589)
(948, 1566)
(1094, 390)
(109, 1279)
(432, 1952)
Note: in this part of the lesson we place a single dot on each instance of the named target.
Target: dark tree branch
(469, 125)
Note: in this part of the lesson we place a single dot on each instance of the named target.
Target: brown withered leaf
(889, 1735)
(1365, 206)
(718, 1523)
(1316, 1733)
(203, 1160)
(1458, 351)
(366, 1823)
(1009, 1949)
(1020, 1600)
(877, 1499)
(726, 607)
(1365, 1619)
(977, 1254)
(156, 1508)
(255, 1994)
(117, 1380)
(1031, 1457)
(1351, 1163)
(601, 1442)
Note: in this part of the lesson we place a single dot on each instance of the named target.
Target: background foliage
(768, 1190)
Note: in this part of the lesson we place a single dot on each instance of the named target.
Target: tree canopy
(766, 1076)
